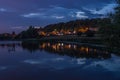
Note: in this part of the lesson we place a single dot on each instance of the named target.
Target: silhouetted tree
(111, 32)
(31, 32)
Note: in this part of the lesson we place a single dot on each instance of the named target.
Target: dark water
(57, 61)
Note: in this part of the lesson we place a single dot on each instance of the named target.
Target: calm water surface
(57, 61)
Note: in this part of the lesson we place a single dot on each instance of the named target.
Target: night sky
(17, 15)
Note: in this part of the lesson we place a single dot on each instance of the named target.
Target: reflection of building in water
(10, 46)
(75, 50)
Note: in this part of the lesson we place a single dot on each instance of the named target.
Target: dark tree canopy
(111, 32)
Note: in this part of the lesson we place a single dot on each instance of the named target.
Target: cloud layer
(108, 8)
(42, 12)
(57, 13)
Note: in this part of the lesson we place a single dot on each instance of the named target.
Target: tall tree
(111, 32)
(117, 13)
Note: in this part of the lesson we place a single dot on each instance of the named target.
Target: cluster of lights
(66, 32)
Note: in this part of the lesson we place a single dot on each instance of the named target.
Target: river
(57, 61)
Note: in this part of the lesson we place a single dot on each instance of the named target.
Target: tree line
(111, 32)
(32, 32)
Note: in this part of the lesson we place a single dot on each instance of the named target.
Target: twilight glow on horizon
(17, 15)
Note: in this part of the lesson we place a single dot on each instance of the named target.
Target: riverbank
(70, 38)
(85, 41)
(90, 41)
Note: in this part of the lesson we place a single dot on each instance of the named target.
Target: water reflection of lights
(62, 44)
(42, 46)
(64, 47)
(54, 47)
(48, 44)
(58, 44)
(69, 46)
(74, 46)
(81, 48)
(84, 49)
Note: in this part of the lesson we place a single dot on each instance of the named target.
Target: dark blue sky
(17, 15)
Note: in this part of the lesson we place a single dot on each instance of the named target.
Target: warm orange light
(83, 30)
(42, 33)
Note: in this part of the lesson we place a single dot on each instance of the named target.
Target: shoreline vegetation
(70, 39)
(111, 49)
